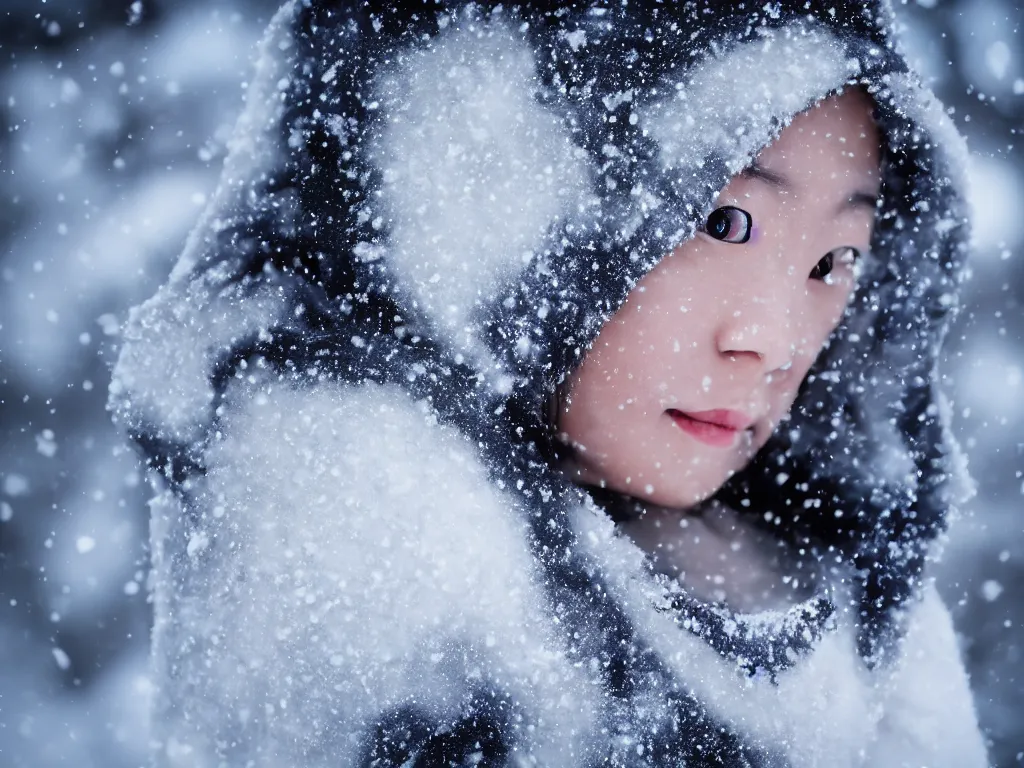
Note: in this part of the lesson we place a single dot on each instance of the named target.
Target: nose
(759, 328)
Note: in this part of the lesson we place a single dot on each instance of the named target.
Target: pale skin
(729, 325)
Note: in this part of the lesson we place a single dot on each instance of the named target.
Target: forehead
(835, 140)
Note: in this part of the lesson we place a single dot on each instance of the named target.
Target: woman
(405, 520)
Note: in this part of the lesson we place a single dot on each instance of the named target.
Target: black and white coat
(362, 555)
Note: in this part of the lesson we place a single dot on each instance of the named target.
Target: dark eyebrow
(755, 171)
(858, 199)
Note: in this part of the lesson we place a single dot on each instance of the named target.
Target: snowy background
(113, 119)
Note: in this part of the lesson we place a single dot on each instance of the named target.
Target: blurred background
(113, 120)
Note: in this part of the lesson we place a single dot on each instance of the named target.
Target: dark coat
(362, 553)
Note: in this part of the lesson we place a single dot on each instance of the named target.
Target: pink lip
(718, 428)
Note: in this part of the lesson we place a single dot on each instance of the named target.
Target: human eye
(728, 224)
(842, 256)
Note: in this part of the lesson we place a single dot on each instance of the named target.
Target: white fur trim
(828, 709)
(171, 345)
(822, 711)
(353, 550)
(475, 170)
(171, 341)
(929, 712)
(731, 103)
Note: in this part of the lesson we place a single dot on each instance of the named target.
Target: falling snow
(289, 560)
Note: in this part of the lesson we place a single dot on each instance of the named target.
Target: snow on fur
(927, 700)
(172, 342)
(781, 73)
(476, 171)
(924, 701)
(826, 688)
(326, 549)
(171, 345)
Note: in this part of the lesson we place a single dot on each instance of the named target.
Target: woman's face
(689, 378)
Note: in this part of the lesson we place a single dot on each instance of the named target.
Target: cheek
(597, 390)
(821, 319)
(844, 295)
(825, 309)
(782, 392)
(617, 354)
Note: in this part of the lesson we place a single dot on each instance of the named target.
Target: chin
(676, 498)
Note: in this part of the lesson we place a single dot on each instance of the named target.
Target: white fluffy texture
(475, 171)
(828, 707)
(356, 550)
(804, 710)
(929, 715)
(779, 75)
(172, 342)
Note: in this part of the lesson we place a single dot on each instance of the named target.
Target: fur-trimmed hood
(426, 215)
